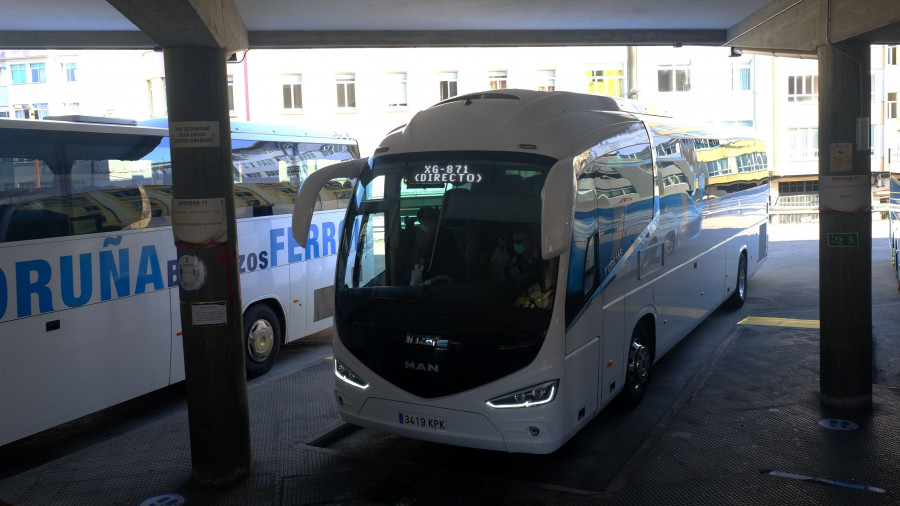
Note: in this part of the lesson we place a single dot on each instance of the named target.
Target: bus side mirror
(308, 195)
(557, 209)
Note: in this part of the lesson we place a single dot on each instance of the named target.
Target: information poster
(204, 314)
(841, 157)
(849, 194)
(199, 223)
(194, 134)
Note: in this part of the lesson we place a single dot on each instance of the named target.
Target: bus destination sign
(438, 174)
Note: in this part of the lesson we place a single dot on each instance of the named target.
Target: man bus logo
(419, 366)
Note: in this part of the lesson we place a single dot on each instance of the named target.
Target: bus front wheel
(262, 339)
(638, 374)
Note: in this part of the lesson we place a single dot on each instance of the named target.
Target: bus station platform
(746, 428)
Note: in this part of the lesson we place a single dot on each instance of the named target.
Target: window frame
(670, 73)
(498, 79)
(19, 73)
(70, 68)
(738, 68)
(610, 75)
(292, 91)
(398, 96)
(37, 72)
(546, 80)
(797, 91)
(447, 80)
(803, 143)
(345, 84)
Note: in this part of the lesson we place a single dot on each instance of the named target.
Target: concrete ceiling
(243, 24)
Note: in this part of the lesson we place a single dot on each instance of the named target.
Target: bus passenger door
(297, 310)
(614, 357)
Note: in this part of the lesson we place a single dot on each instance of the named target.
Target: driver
(435, 253)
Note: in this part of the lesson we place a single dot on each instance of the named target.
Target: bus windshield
(459, 228)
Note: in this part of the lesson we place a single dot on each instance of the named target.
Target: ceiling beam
(801, 26)
(783, 25)
(873, 21)
(80, 39)
(187, 23)
(481, 38)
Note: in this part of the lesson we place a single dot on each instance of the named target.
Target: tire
(262, 339)
(637, 375)
(739, 296)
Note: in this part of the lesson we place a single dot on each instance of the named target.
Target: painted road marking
(780, 322)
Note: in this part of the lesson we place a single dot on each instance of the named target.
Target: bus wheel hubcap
(260, 340)
(639, 364)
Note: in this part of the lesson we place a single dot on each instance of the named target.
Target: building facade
(368, 92)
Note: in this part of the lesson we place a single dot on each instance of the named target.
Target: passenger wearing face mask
(526, 265)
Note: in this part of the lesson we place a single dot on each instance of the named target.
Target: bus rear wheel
(262, 339)
(638, 373)
(736, 301)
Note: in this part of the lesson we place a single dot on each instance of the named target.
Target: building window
(798, 187)
(892, 55)
(676, 77)
(497, 79)
(607, 81)
(230, 94)
(72, 107)
(70, 72)
(38, 73)
(19, 76)
(346, 91)
(292, 91)
(448, 84)
(892, 105)
(740, 76)
(546, 80)
(39, 111)
(397, 91)
(4, 114)
(804, 143)
(803, 88)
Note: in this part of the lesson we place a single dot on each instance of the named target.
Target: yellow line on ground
(780, 322)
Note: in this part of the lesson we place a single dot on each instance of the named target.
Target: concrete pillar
(631, 91)
(206, 239)
(845, 228)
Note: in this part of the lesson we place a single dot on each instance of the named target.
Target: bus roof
(273, 131)
(556, 124)
(58, 125)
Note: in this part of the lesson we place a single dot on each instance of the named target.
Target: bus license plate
(438, 424)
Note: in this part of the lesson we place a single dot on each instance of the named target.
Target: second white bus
(89, 311)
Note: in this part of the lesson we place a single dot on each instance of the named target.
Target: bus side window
(590, 277)
(39, 208)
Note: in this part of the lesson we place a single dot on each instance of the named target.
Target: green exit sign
(843, 240)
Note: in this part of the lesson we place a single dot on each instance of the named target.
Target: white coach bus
(89, 311)
(512, 261)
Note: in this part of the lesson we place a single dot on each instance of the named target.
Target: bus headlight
(347, 376)
(527, 397)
